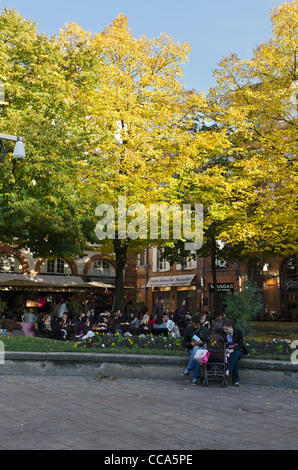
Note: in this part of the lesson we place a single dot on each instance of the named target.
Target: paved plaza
(49, 413)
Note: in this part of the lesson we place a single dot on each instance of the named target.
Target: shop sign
(168, 281)
(223, 287)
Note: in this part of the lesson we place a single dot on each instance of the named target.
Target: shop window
(10, 263)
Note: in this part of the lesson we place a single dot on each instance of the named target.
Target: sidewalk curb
(260, 372)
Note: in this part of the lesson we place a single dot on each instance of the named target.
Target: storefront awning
(169, 281)
(95, 285)
(49, 282)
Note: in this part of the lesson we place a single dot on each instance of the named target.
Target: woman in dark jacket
(235, 349)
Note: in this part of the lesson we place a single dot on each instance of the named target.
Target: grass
(31, 344)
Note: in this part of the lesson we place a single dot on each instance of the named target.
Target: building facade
(276, 280)
(32, 282)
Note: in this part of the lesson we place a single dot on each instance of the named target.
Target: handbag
(202, 355)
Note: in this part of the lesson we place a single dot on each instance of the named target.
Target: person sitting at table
(133, 324)
(118, 321)
(144, 327)
(49, 328)
(161, 328)
(83, 331)
(44, 324)
(103, 322)
(120, 317)
(90, 317)
(111, 323)
(41, 324)
(108, 322)
(151, 321)
(55, 329)
(80, 316)
(170, 325)
(65, 322)
(101, 316)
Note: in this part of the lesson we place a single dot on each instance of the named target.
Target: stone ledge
(260, 372)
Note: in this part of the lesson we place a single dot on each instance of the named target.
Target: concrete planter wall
(279, 373)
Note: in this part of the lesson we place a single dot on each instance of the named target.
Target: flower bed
(274, 348)
(133, 343)
(257, 348)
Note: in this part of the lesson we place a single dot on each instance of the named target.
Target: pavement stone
(118, 414)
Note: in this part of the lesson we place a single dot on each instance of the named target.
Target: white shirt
(62, 309)
(170, 325)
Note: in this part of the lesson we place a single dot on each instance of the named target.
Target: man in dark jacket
(235, 349)
(195, 336)
(180, 316)
(195, 329)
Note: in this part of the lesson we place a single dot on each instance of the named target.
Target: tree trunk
(214, 279)
(120, 247)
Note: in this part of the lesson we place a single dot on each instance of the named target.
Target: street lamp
(19, 150)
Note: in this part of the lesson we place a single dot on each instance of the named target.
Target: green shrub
(242, 307)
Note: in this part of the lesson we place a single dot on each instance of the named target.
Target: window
(60, 266)
(220, 262)
(10, 263)
(255, 269)
(50, 266)
(158, 263)
(56, 266)
(101, 268)
(187, 263)
(141, 259)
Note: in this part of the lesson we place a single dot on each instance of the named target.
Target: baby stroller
(216, 365)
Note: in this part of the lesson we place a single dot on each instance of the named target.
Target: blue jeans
(233, 365)
(193, 364)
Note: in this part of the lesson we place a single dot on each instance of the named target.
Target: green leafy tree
(45, 80)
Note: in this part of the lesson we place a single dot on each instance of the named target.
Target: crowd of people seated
(193, 329)
(64, 325)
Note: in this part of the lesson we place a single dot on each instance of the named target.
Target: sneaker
(185, 373)
(194, 382)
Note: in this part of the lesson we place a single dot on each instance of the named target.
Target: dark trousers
(233, 365)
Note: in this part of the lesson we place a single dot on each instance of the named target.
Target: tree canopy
(107, 116)
(45, 80)
(255, 103)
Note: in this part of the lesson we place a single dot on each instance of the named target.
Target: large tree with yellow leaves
(144, 120)
(255, 103)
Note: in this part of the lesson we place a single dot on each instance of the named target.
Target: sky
(213, 28)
